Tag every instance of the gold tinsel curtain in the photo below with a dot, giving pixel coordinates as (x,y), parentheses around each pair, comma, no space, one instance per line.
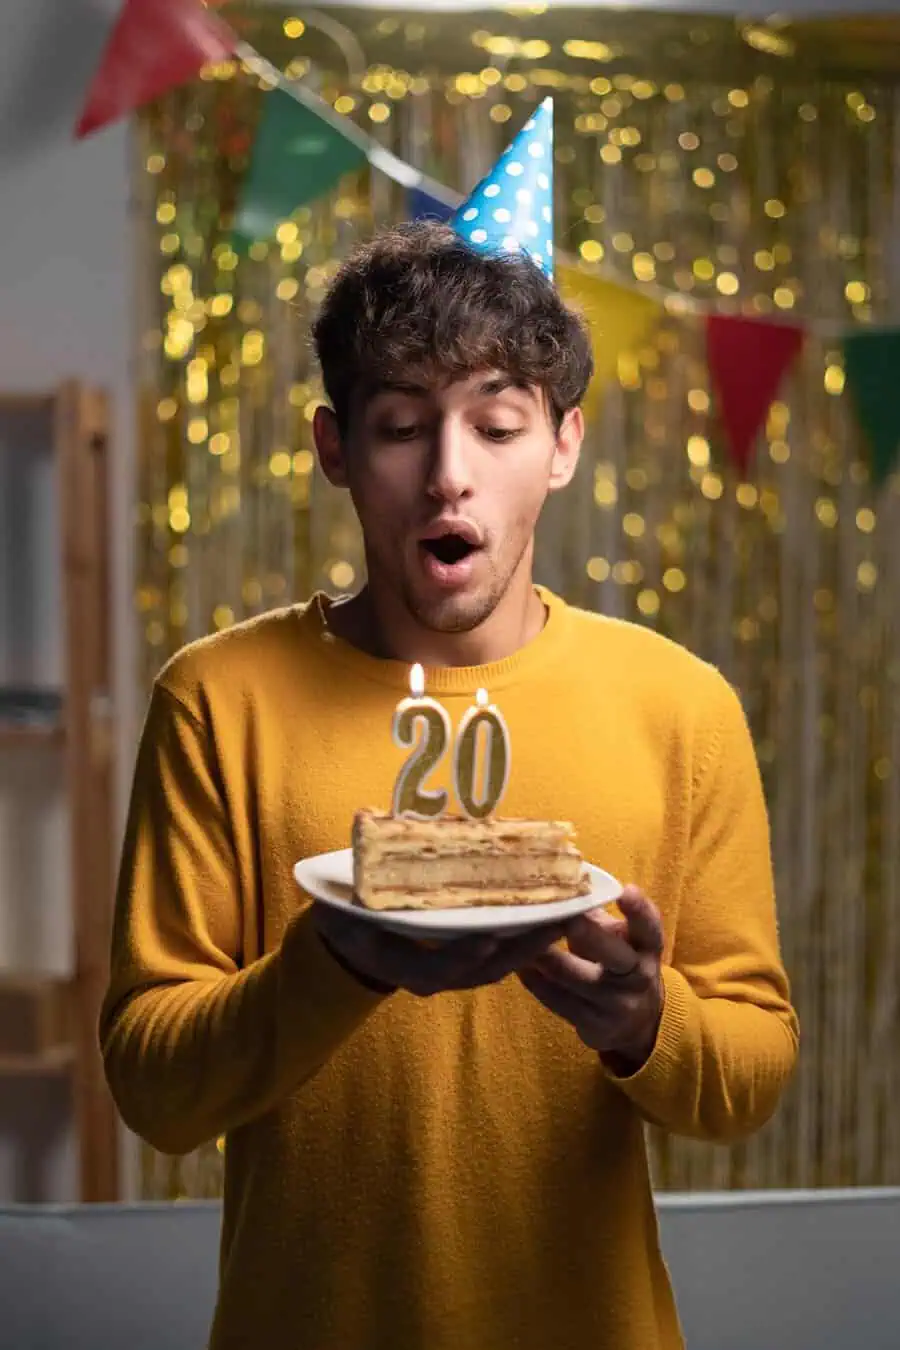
(751,171)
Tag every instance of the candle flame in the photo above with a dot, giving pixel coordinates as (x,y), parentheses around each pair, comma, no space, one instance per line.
(417,681)
(481,697)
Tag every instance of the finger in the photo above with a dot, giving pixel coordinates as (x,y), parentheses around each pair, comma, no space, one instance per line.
(600,938)
(645,930)
(524,948)
(363,935)
(402,961)
(335,927)
(469,963)
(571,972)
(427,969)
(511,955)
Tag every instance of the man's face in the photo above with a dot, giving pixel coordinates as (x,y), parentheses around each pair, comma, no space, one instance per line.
(448,481)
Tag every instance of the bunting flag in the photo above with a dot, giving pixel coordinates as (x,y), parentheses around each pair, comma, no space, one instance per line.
(302,149)
(297,157)
(747,360)
(421,205)
(619,318)
(154,46)
(872,370)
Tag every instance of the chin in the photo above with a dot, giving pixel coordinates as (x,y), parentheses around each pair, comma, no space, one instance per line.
(453,613)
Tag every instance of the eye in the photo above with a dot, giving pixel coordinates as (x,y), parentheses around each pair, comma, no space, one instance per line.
(408,432)
(499,435)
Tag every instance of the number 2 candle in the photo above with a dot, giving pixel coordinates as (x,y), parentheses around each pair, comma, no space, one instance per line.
(423,725)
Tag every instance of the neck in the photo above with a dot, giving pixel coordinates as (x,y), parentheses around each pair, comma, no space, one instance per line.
(379,625)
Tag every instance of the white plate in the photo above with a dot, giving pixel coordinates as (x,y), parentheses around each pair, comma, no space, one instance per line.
(329,879)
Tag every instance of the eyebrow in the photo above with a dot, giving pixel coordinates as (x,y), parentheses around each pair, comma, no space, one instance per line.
(398,387)
(500,383)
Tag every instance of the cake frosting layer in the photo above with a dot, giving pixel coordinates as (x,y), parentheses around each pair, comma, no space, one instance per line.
(400,862)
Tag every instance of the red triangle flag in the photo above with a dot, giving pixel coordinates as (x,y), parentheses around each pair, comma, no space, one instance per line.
(747,359)
(154,46)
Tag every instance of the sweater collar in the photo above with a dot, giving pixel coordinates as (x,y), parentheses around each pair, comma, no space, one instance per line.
(447,680)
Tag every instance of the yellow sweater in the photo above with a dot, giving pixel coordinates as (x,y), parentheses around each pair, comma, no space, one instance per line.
(457,1173)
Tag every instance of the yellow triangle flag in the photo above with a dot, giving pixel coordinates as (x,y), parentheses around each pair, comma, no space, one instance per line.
(619,317)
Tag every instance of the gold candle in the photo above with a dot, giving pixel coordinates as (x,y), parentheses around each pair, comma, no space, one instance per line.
(481,798)
(411,798)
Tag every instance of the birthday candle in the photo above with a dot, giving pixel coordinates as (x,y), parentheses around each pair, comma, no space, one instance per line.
(484,721)
(410,797)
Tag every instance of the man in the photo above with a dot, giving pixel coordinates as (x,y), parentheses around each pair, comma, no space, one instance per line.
(441,1148)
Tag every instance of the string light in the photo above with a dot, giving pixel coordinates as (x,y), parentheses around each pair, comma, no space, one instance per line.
(598,569)
(234,515)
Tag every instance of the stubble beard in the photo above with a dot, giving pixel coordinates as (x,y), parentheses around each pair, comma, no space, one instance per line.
(454,613)
(463,613)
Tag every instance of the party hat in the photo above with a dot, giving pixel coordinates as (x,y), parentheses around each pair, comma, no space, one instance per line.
(511,210)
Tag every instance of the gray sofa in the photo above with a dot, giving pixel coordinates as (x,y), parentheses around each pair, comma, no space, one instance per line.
(786,1271)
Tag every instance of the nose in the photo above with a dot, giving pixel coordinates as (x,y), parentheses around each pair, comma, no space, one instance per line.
(450,468)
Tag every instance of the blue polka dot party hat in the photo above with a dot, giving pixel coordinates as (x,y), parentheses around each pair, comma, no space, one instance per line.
(511,210)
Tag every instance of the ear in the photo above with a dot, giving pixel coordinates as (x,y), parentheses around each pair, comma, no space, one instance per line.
(330,446)
(568,449)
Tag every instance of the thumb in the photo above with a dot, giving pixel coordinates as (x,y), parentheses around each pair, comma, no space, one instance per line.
(645,930)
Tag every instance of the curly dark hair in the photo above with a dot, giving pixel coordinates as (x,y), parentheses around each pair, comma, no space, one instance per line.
(416,299)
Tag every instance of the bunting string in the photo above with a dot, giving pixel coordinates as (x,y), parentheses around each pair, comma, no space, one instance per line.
(304,146)
(206,38)
(429,197)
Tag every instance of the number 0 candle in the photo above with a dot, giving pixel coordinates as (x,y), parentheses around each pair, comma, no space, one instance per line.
(428,745)
(479,792)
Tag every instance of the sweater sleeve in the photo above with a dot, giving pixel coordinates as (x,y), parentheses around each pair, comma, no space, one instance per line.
(194,1042)
(728,1037)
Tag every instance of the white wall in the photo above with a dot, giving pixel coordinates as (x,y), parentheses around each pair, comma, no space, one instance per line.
(65,311)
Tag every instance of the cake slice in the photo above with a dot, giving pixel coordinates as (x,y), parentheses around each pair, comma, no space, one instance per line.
(400,862)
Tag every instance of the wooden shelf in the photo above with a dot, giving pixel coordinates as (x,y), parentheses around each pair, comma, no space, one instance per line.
(48,1064)
(31,733)
(35,1022)
(34,982)
(27,403)
(49,1026)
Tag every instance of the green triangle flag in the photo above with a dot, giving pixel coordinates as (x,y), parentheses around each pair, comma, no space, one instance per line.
(297,157)
(872,367)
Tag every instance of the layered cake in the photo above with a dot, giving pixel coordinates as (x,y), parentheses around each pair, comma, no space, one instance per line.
(401,862)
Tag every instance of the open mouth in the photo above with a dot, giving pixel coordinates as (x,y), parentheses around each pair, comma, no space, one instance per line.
(449,548)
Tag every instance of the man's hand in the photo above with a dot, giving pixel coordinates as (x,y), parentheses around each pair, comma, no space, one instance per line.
(608,984)
(385,962)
